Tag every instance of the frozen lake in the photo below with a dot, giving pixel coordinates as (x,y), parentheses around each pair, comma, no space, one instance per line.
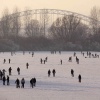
(61,87)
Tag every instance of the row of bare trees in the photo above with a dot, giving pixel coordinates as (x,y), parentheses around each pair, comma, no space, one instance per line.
(68,28)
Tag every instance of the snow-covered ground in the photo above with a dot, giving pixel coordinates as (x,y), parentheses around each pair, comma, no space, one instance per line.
(61,87)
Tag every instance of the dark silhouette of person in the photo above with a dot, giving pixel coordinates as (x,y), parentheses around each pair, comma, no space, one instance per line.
(70,59)
(41,60)
(9,61)
(32,54)
(27,65)
(4,79)
(79,77)
(74,54)
(1,74)
(18,70)
(34,81)
(53,71)
(31,83)
(7,80)
(61,62)
(83,53)
(22,82)
(17,83)
(49,72)
(4,61)
(72,72)
(10,69)
(77,60)
(44,61)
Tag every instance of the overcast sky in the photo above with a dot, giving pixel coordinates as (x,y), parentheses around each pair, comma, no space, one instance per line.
(79,6)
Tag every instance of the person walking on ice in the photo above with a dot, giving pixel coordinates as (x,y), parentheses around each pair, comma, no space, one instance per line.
(4,79)
(34,81)
(22,82)
(10,69)
(79,78)
(53,71)
(49,72)
(9,61)
(72,72)
(27,64)
(17,83)
(18,70)
(8,80)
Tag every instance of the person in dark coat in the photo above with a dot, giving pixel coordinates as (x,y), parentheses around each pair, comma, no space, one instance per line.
(79,77)
(49,72)
(9,61)
(34,81)
(7,80)
(18,70)
(31,83)
(22,82)
(32,54)
(17,83)
(1,74)
(70,59)
(27,65)
(77,60)
(10,69)
(41,60)
(61,62)
(53,71)
(72,72)
(4,61)
(4,79)
(44,61)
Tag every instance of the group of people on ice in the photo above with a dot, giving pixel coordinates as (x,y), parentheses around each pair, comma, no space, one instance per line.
(53,72)
(21,83)
(32,82)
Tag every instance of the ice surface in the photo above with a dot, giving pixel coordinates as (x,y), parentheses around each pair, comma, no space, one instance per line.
(61,87)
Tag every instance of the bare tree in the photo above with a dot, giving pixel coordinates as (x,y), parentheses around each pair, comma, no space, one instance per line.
(15,22)
(27,20)
(95,15)
(5,24)
(65,27)
(33,28)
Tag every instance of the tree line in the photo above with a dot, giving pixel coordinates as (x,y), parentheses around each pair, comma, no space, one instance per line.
(65,33)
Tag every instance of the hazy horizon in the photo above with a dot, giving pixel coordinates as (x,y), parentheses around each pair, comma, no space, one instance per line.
(79,6)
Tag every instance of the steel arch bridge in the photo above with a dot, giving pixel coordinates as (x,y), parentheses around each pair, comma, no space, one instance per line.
(57,12)
(37,14)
